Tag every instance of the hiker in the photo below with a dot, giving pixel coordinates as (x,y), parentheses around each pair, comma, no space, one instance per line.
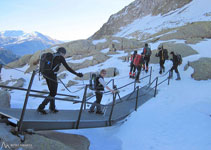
(138,62)
(147,53)
(174,67)
(132,66)
(51,79)
(100,85)
(163,55)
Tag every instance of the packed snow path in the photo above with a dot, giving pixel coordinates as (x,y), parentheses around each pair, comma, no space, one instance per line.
(67,119)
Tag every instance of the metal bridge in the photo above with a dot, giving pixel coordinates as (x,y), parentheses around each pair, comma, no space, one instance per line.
(114,112)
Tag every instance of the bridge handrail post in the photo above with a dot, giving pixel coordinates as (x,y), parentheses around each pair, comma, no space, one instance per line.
(169,78)
(136,106)
(156,87)
(25,102)
(150,77)
(112,108)
(80,112)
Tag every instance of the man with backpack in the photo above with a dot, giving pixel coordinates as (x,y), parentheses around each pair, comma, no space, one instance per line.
(132,66)
(147,53)
(177,60)
(49,67)
(138,62)
(163,55)
(99,88)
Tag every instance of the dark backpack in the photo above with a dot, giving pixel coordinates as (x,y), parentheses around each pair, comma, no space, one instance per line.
(94,83)
(179,59)
(46,63)
(166,56)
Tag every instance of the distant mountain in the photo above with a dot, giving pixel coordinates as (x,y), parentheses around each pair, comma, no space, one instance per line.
(22,43)
(7,56)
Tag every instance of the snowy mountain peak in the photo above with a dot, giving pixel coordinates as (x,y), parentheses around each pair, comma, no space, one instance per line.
(21,43)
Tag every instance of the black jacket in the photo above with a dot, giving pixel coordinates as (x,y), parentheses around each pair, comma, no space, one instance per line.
(99,87)
(175,60)
(58,60)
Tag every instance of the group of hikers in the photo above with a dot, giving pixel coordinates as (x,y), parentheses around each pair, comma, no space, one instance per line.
(50,63)
(49,67)
(139,61)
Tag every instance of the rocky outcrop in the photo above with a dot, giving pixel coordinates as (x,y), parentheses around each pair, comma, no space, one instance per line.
(110,72)
(202,68)
(42,140)
(70,83)
(97,58)
(19,63)
(192,33)
(178,48)
(5,99)
(136,10)
(19,82)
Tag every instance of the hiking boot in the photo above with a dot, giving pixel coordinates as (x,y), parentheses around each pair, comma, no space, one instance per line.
(42,111)
(137,81)
(178,77)
(160,72)
(54,111)
(99,112)
(91,111)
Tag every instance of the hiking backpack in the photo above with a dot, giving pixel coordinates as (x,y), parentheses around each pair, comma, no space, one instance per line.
(93,83)
(46,63)
(165,51)
(179,59)
(147,51)
(138,60)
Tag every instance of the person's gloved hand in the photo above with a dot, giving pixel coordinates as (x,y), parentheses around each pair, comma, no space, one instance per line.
(80,75)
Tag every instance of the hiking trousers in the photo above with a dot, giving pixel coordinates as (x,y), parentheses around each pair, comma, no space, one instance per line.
(132,67)
(162,62)
(174,67)
(52,83)
(146,61)
(139,71)
(99,96)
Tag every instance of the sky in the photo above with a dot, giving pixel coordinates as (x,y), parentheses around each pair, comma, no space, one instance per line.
(59,19)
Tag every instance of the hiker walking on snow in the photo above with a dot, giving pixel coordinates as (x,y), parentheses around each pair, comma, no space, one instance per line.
(147,53)
(51,79)
(100,85)
(132,66)
(139,61)
(163,55)
(176,62)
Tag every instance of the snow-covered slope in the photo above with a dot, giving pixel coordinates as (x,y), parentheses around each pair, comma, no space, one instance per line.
(22,43)
(197,10)
(143,18)
(178,118)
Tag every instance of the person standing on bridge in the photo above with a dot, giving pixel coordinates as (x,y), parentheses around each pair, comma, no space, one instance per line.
(51,79)
(100,85)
